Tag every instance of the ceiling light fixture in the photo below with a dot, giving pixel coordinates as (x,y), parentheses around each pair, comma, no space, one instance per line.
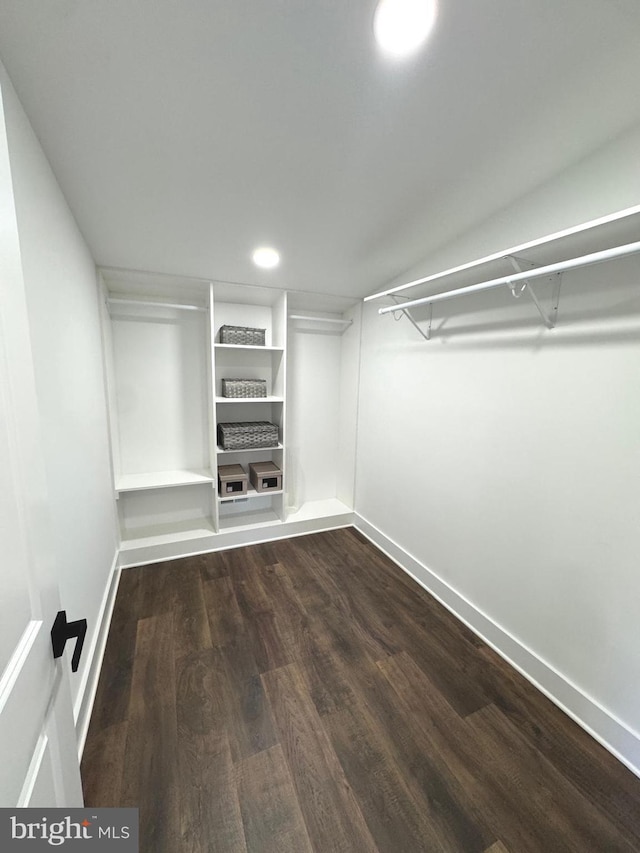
(266,258)
(401,26)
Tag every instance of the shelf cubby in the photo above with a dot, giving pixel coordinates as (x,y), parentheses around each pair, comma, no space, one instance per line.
(184,511)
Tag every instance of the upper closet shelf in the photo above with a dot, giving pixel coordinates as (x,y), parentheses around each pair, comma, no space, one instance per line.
(547,257)
(181,306)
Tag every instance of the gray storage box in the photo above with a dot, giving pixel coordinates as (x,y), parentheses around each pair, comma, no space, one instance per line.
(242,436)
(232,481)
(242,336)
(244,388)
(265,476)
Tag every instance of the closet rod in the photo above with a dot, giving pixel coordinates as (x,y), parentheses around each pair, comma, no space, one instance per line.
(320,319)
(585,227)
(539,272)
(182,307)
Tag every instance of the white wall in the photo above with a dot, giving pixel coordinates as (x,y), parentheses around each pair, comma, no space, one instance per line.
(505,458)
(62,301)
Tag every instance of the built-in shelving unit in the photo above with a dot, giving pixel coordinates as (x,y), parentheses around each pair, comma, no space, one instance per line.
(266,309)
(165,365)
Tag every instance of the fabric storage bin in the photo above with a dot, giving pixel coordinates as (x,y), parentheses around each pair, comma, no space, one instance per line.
(242,335)
(232,480)
(241,436)
(265,476)
(244,388)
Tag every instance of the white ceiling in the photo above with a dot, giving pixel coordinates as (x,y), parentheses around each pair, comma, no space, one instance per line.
(186,132)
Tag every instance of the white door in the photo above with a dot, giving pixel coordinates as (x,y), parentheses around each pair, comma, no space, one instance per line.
(39,761)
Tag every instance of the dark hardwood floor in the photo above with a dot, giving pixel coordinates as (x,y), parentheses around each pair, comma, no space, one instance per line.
(306,695)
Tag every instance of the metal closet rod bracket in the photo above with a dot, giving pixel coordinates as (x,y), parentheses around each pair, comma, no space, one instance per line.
(520,265)
(407,313)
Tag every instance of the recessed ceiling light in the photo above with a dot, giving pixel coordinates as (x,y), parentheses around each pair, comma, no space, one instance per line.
(266,258)
(401,26)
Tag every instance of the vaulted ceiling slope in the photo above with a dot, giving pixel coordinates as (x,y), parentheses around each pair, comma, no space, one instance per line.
(185,133)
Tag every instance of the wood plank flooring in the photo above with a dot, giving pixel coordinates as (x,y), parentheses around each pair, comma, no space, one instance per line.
(306,696)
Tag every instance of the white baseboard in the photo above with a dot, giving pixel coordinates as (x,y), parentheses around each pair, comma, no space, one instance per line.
(145,554)
(615,735)
(87,693)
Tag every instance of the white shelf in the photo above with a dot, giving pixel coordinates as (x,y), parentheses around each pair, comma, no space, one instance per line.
(163,479)
(252,347)
(249,400)
(251,449)
(600,234)
(251,493)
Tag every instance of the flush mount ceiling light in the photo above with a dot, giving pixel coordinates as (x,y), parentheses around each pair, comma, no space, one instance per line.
(266,258)
(401,26)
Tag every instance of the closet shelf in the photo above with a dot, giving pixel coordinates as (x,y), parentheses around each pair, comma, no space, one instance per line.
(163,479)
(547,257)
(251,493)
(180,306)
(253,347)
(244,450)
(249,399)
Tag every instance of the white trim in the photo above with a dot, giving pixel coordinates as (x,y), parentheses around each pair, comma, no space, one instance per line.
(33,772)
(17,660)
(83,705)
(612,733)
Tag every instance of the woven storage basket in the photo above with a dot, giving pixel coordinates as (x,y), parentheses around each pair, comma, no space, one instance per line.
(243,436)
(242,335)
(244,387)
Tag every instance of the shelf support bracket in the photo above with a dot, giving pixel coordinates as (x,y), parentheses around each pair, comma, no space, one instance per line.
(407,314)
(549,319)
